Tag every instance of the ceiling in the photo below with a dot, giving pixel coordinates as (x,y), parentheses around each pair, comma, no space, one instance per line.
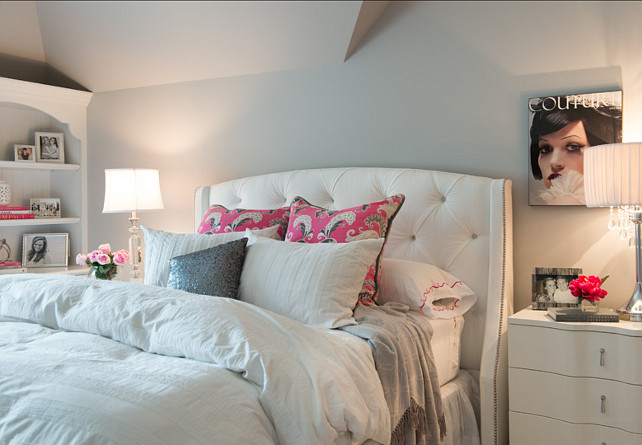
(112,45)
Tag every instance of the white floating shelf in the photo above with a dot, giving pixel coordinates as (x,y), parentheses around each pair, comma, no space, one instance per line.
(37,222)
(38,166)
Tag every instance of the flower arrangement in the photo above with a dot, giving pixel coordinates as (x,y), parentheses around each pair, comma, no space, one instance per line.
(103,261)
(588,288)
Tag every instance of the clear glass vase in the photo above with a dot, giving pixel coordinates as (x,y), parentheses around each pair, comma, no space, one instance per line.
(589,306)
(96,274)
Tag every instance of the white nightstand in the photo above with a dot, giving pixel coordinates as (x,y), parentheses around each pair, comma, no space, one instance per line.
(574,383)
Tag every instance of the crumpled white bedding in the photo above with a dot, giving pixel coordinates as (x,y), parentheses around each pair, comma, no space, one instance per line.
(88,361)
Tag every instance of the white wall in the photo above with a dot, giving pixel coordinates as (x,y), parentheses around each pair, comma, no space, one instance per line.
(436,85)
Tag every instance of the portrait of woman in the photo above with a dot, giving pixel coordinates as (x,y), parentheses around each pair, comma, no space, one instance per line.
(50,147)
(37,254)
(45,249)
(561,128)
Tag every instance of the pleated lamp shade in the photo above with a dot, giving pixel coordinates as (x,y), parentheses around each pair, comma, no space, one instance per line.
(612,175)
(132,190)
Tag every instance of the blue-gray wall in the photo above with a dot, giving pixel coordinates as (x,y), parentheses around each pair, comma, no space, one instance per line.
(435,85)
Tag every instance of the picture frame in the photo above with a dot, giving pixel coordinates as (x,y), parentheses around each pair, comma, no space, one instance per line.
(45,207)
(550,287)
(50,147)
(560,127)
(45,249)
(24,153)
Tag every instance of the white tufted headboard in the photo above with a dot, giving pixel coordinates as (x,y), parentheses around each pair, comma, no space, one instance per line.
(460,223)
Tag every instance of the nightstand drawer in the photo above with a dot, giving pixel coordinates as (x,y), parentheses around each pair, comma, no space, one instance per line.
(576,353)
(576,400)
(528,429)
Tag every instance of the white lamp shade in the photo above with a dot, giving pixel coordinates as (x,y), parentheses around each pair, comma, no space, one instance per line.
(612,175)
(132,190)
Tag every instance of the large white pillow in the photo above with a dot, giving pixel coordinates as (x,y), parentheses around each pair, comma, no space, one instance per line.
(316,284)
(162,246)
(425,287)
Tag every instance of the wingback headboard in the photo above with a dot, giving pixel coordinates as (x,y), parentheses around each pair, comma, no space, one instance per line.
(460,223)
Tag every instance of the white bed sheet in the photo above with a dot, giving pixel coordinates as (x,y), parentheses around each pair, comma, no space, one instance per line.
(446,347)
(460,398)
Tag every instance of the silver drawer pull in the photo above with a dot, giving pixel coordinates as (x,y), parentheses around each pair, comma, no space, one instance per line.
(601,356)
(603,409)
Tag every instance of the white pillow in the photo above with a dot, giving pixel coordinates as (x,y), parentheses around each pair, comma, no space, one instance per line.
(423,286)
(316,284)
(162,246)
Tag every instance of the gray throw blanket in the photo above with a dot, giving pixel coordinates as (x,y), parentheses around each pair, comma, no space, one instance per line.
(400,341)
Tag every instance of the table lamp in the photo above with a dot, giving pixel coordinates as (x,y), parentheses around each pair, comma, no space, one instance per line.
(612,178)
(132,190)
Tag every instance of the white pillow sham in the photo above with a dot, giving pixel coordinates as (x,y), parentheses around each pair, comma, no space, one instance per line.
(162,246)
(316,284)
(425,287)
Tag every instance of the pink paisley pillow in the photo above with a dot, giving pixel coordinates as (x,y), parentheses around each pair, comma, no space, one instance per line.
(219,219)
(311,224)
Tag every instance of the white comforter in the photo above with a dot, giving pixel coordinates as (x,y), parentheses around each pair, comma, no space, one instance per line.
(88,361)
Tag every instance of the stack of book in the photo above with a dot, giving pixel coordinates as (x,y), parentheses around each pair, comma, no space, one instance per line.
(7,212)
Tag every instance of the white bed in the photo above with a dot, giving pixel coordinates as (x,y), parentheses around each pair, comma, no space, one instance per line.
(460,223)
(90,361)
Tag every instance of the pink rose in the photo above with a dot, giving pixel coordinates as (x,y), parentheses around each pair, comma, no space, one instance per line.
(587,287)
(81,259)
(103,258)
(92,256)
(105,248)
(121,257)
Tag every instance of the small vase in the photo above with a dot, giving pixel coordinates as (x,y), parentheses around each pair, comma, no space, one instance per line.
(589,306)
(5,193)
(97,275)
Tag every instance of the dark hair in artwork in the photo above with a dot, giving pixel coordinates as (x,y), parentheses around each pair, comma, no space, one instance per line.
(602,125)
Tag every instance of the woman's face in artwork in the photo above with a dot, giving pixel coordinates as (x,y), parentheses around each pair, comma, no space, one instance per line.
(562,151)
(38,245)
(550,286)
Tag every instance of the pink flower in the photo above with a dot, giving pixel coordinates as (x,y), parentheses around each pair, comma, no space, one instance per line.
(92,256)
(81,259)
(121,257)
(588,288)
(103,258)
(105,248)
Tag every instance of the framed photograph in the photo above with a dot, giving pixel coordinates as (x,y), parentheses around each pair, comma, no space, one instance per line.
(45,207)
(50,147)
(24,153)
(45,249)
(550,287)
(561,127)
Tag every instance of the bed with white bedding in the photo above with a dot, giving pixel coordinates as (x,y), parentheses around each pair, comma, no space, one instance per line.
(87,361)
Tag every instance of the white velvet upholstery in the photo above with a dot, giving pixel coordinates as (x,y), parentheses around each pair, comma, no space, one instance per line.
(460,223)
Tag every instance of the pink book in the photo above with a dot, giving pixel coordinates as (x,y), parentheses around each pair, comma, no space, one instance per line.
(7,208)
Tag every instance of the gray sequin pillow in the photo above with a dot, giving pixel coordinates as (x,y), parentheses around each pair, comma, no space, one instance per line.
(215,271)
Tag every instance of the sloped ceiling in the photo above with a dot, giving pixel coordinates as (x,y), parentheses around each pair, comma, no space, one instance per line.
(112,45)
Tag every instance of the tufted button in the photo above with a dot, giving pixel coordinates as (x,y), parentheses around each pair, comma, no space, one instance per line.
(443,199)
(474,236)
(413,237)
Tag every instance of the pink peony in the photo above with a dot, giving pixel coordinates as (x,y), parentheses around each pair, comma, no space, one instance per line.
(121,257)
(105,248)
(92,256)
(103,258)
(588,288)
(81,259)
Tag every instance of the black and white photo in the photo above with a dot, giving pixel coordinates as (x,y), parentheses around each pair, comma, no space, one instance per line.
(50,147)
(45,249)
(550,287)
(45,207)
(561,127)
(24,153)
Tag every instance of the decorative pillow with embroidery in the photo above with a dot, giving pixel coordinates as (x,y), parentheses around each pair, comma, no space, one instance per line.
(425,287)
(311,224)
(219,219)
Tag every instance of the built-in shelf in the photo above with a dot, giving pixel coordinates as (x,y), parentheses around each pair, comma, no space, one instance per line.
(38,165)
(37,222)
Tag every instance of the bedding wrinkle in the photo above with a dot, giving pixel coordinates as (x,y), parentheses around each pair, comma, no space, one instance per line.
(308,394)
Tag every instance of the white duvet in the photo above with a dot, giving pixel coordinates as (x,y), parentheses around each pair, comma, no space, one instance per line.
(88,361)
